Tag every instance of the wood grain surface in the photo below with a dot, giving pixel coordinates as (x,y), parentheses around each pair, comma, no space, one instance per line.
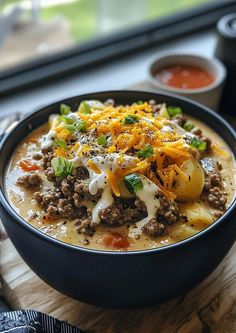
(209,308)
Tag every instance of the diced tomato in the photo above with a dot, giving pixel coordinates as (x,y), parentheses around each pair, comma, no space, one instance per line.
(116,240)
(27,165)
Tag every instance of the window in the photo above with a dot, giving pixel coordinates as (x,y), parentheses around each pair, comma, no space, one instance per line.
(40,39)
(39,28)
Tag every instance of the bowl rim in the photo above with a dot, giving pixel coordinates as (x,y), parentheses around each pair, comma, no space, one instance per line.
(49,239)
(220,73)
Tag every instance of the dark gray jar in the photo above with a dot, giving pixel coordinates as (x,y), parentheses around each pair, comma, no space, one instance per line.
(226,52)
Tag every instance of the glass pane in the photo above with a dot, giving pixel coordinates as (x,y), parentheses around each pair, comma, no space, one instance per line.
(32,29)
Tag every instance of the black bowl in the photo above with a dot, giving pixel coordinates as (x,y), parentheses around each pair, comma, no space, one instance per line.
(119,279)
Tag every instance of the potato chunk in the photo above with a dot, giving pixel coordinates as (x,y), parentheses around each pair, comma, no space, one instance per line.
(197,214)
(191,187)
(183,231)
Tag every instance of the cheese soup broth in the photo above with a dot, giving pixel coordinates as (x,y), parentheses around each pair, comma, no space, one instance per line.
(105,237)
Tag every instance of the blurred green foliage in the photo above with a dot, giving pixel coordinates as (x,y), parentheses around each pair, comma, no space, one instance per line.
(83,19)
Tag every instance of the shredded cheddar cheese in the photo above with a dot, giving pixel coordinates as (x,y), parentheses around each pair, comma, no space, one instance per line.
(144,129)
(94,167)
(76,146)
(113,182)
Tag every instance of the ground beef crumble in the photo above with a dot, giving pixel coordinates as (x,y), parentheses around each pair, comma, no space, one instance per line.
(37,156)
(81,193)
(180,119)
(168,211)
(213,186)
(216,198)
(84,225)
(55,204)
(153,228)
(47,157)
(67,199)
(123,211)
(31,180)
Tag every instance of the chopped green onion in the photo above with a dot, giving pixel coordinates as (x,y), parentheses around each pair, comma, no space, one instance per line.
(65,109)
(62,167)
(67,119)
(139,102)
(133,183)
(164,113)
(71,128)
(198,144)
(86,106)
(147,151)
(188,126)
(61,119)
(61,143)
(81,126)
(102,140)
(131,119)
(174,111)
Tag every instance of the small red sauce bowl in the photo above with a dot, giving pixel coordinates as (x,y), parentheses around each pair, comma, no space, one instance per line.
(208,95)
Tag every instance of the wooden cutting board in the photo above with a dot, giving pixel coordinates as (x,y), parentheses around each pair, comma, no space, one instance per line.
(209,308)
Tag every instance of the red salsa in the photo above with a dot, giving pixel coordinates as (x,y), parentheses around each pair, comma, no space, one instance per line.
(185,77)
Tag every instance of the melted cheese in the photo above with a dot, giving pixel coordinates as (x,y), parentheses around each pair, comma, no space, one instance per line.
(47,140)
(148,196)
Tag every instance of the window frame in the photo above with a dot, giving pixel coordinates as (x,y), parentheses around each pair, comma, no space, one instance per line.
(99,51)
